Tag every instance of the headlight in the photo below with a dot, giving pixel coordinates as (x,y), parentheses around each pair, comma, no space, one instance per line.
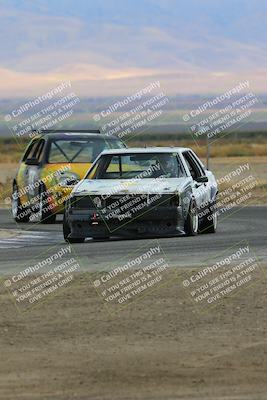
(85,202)
(68,179)
(98,203)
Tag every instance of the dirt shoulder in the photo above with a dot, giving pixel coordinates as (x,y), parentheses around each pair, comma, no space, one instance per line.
(70,347)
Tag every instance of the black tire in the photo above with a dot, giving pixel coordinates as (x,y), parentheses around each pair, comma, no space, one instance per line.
(20,213)
(67,231)
(191,223)
(209,225)
(46,216)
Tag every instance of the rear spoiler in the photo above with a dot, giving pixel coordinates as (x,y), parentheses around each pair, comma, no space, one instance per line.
(45,131)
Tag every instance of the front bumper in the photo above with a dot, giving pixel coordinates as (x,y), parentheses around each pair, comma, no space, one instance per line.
(159,221)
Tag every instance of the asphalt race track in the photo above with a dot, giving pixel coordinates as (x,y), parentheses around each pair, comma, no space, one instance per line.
(20,243)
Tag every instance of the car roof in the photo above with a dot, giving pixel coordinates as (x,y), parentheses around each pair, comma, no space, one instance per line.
(72,135)
(146,150)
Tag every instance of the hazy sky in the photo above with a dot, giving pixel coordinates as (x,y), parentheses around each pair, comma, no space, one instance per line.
(108,47)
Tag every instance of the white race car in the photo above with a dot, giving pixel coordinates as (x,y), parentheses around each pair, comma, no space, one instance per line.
(135,192)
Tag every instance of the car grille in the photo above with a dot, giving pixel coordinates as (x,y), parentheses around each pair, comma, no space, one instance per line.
(83,202)
(151,200)
(123,201)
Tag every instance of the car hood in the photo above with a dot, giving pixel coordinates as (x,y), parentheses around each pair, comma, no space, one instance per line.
(125,186)
(79,169)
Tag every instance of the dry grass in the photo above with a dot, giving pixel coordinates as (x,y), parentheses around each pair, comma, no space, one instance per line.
(224,154)
(11,151)
(217,149)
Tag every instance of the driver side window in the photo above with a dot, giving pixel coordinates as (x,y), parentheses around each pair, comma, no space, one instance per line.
(194,169)
(39,150)
(30,151)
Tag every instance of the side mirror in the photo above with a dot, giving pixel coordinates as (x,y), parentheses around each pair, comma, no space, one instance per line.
(68,181)
(72,182)
(32,161)
(202,179)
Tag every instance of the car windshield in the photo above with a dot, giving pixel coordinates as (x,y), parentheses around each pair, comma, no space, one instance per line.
(80,150)
(137,165)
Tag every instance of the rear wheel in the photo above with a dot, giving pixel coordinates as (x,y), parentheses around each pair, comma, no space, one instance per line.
(20,213)
(67,231)
(191,223)
(46,216)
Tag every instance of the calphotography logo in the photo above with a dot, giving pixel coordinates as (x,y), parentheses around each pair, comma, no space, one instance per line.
(219,116)
(135,113)
(133,200)
(235,270)
(43,112)
(43,277)
(133,276)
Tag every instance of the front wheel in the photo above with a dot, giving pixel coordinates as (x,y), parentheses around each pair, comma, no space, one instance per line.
(67,231)
(20,213)
(191,223)
(211,221)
